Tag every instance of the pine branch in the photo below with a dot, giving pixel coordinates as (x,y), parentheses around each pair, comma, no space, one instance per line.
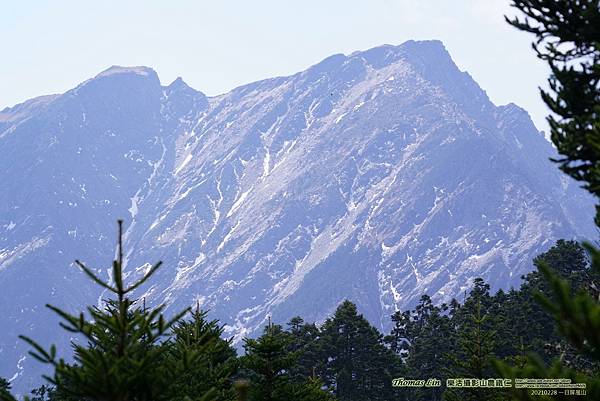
(91,275)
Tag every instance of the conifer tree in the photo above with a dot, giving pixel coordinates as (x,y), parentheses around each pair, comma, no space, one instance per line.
(304,341)
(358,365)
(310,389)
(476,347)
(269,361)
(568,38)
(5,394)
(399,339)
(120,358)
(42,393)
(216,365)
(562,291)
(431,340)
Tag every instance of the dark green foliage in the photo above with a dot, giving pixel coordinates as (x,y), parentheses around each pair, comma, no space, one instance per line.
(5,390)
(531,327)
(357,364)
(216,364)
(43,393)
(431,339)
(457,340)
(535,368)
(475,346)
(568,38)
(448,341)
(397,340)
(310,389)
(424,338)
(346,354)
(305,342)
(577,316)
(568,260)
(211,370)
(564,308)
(49,393)
(269,362)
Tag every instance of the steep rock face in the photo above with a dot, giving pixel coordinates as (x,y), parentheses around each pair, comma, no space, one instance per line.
(375,177)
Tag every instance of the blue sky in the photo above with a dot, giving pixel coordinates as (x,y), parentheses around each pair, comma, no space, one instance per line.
(51,46)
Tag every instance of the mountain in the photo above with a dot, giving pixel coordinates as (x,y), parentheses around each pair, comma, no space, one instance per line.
(376,177)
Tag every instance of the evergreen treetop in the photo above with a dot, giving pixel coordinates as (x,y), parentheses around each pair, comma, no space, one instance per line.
(120,358)
(567,37)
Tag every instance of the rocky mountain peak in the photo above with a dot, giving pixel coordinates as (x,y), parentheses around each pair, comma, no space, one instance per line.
(120,70)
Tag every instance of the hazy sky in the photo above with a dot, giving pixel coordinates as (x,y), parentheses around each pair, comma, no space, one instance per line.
(51,46)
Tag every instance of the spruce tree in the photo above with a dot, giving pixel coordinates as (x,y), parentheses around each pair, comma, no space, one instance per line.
(476,346)
(399,339)
(304,341)
(310,389)
(217,362)
(431,339)
(358,365)
(269,361)
(118,355)
(42,393)
(567,37)
(5,394)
